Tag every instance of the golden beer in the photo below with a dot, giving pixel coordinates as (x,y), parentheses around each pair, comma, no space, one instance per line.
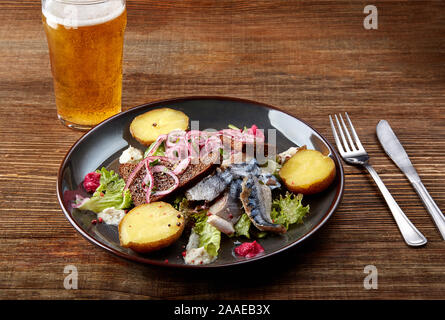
(85,41)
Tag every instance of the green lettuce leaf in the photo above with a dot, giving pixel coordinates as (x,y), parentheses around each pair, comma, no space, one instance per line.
(231,126)
(180,203)
(242,226)
(108,194)
(209,236)
(288,210)
(160,151)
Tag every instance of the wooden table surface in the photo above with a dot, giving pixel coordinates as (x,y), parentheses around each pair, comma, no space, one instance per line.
(310,58)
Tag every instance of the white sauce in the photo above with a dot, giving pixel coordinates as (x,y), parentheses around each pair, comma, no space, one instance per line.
(131,155)
(111,216)
(198,256)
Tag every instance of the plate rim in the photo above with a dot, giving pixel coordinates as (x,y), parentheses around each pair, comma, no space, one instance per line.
(334,205)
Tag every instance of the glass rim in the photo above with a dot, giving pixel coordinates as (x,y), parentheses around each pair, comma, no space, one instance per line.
(84,2)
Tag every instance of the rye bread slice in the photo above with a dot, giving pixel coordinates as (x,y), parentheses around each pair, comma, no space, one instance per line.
(193,173)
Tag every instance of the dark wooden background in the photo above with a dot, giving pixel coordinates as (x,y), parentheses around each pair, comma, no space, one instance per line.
(310,58)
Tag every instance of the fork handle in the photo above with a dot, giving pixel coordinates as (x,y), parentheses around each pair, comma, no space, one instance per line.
(431,207)
(410,234)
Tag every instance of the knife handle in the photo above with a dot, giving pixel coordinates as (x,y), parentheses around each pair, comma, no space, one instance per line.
(431,207)
(410,234)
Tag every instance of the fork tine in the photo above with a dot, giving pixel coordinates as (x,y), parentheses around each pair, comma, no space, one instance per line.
(354,134)
(337,140)
(351,143)
(343,138)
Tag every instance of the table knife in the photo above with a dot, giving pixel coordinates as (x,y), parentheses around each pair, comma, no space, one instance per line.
(397,153)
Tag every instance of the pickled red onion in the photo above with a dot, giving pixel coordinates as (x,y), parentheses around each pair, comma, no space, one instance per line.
(212,144)
(174,137)
(134,173)
(182,166)
(152,149)
(181,147)
(139,166)
(178,152)
(164,169)
(149,182)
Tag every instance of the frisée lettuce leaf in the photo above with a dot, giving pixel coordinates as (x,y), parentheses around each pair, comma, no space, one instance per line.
(110,193)
(288,210)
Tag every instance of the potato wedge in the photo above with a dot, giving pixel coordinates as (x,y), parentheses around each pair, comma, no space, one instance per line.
(308,172)
(146,127)
(150,227)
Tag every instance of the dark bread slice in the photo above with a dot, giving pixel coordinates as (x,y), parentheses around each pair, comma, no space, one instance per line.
(193,173)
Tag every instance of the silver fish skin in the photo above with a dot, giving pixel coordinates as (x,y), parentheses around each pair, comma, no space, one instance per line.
(241,170)
(228,206)
(209,188)
(257,202)
(269,180)
(221,224)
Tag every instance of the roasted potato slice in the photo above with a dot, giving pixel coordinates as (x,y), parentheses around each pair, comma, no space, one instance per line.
(308,172)
(146,127)
(150,227)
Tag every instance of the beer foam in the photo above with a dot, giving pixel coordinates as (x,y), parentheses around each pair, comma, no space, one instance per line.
(77,13)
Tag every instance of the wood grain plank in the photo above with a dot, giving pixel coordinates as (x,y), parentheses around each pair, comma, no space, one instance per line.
(311,59)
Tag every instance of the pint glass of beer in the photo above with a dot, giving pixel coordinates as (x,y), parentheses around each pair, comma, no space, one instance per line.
(85,41)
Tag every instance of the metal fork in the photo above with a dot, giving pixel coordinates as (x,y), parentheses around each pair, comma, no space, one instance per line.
(354,153)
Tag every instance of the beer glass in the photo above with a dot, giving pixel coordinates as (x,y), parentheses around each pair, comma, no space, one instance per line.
(85,41)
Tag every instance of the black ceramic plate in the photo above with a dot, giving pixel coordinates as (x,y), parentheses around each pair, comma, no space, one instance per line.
(103,145)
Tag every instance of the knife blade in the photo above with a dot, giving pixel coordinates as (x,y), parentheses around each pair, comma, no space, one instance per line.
(397,153)
(395,150)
